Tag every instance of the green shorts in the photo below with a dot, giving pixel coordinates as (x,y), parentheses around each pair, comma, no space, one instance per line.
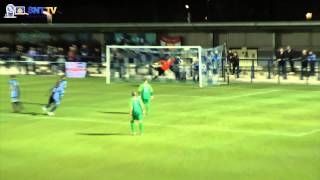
(137,116)
(146,101)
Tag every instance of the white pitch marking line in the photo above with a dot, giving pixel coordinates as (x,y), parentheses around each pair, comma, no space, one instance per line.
(226,97)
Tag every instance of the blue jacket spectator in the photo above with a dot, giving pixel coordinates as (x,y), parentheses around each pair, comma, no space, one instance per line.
(312,58)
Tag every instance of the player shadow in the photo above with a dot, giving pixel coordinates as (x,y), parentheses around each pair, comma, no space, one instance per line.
(33,103)
(32,113)
(103,134)
(114,112)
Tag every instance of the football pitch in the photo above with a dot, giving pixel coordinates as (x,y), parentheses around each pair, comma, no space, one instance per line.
(226,132)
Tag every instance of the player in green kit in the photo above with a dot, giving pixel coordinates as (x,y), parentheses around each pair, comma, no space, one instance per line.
(146,93)
(136,112)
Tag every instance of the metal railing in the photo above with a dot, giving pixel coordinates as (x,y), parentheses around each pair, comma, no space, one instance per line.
(249,70)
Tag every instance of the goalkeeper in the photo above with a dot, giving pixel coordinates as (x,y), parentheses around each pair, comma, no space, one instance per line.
(146,92)
(136,112)
(162,66)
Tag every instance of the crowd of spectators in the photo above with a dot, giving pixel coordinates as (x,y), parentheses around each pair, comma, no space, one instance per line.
(51,53)
(306,59)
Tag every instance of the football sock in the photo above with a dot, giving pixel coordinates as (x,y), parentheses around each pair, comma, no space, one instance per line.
(141,128)
(133,127)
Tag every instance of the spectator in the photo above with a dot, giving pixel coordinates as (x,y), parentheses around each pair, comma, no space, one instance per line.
(18,56)
(98,59)
(19,52)
(84,53)
(216,60)
(30,64)
(312,58)
(304,63)
(118,63)
(32,53)
(235,64)
(280,58)
(4,53)
(97,55)
(195,70)
(72,53)
(41,53)
(230,59)
(5,56)
(61,59)
(52,58)
(175,68)
(289,55)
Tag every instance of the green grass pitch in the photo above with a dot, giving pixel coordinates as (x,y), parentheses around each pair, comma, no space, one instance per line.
(227,132)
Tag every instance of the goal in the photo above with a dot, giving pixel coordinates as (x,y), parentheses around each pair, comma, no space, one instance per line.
(189,64)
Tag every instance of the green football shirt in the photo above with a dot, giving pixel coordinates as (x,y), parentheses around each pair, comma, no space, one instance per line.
(145,91)
(136,106)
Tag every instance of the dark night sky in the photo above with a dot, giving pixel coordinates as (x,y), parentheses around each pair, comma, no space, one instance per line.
(92,11)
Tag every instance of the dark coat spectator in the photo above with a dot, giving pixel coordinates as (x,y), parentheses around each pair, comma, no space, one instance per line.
(280,57)
(312,58)
(304,63)
(289,55)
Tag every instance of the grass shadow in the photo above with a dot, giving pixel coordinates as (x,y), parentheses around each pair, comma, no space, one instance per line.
(32,113)
(103,134)
(114,112)
(33,103)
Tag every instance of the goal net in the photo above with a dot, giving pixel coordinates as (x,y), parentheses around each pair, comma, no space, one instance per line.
(162,63)
(212,71)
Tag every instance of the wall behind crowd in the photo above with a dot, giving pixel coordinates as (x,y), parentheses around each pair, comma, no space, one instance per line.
(266,43)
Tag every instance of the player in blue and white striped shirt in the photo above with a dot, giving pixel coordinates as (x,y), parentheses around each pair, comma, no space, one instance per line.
(15,94)
(57,93)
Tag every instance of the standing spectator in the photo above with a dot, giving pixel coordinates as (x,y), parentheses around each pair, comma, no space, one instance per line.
(176,69)
(18,56)
(41,51)
(118,62)
(19,52)
(195,70)
(235,64)
(72,53)
(280,57)
(84,53)
(216,60)
(289,55)
(61,59)
(312,58)
(97,55)
(51,57)
(31,55)
(304,63)
(230,59)
(97,58)
(5,55)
